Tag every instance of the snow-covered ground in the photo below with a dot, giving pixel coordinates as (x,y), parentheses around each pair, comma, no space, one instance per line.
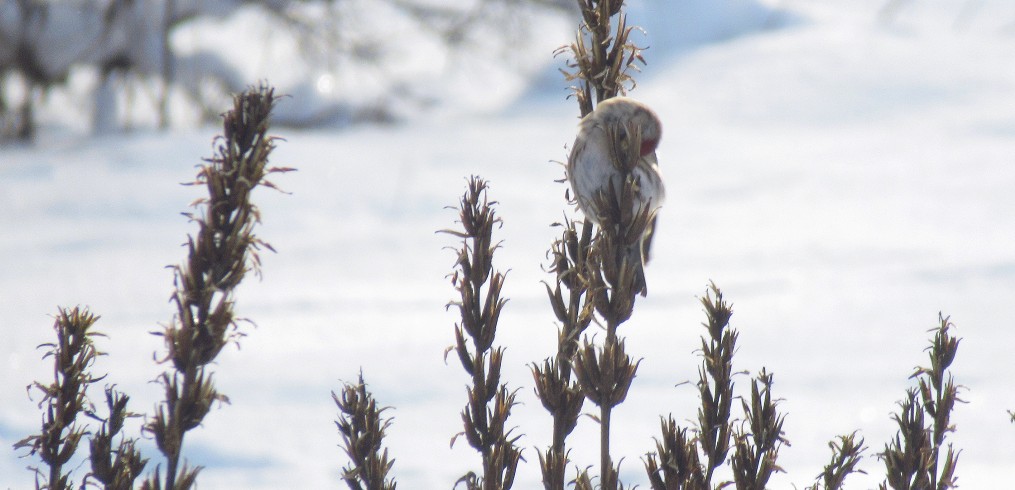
(841,177)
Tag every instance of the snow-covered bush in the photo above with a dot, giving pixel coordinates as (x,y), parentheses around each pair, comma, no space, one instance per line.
(124,62)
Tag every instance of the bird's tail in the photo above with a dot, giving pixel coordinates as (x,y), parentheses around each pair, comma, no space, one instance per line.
(639,255)
(635,258)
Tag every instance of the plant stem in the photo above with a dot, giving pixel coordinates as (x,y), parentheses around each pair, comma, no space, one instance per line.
(605,413)
(604,442)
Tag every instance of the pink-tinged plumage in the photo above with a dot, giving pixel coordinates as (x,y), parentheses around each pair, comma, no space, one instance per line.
(648,146)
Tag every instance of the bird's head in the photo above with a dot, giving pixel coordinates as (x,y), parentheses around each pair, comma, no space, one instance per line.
(629,115)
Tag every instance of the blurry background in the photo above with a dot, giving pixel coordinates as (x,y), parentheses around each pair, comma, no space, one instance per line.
(118,64)
(842,169)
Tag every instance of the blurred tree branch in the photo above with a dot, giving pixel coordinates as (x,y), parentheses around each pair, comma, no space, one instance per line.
(43,41)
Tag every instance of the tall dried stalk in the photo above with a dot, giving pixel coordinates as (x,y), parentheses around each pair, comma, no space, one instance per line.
(602,55)
(758,439)
(362,428)
(479,287)
(677,462)
(64,398)
(224,250)
(601,58)
(559,394)
(115,467)
(914,460)
(846,455)
(686,460)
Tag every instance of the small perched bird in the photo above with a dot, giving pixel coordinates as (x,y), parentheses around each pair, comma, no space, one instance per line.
(619,138)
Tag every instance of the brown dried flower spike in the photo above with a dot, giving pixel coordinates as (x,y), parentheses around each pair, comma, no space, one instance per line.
(489,401)
(73,355)
(224,249)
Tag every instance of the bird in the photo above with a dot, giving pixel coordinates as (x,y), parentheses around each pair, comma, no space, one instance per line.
(616,140)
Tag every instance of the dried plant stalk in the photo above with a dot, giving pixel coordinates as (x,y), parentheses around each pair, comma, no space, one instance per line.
(689,461)
(64,398)
(115,468)
(601,63)
(913,460)
(677,463)
(599,67)
(846,454)
(479,287)
(715,382)
(363,428)
(224,249)
(555,388)
(757,445)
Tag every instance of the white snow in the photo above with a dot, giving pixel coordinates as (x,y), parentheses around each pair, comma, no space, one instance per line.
(842,177)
